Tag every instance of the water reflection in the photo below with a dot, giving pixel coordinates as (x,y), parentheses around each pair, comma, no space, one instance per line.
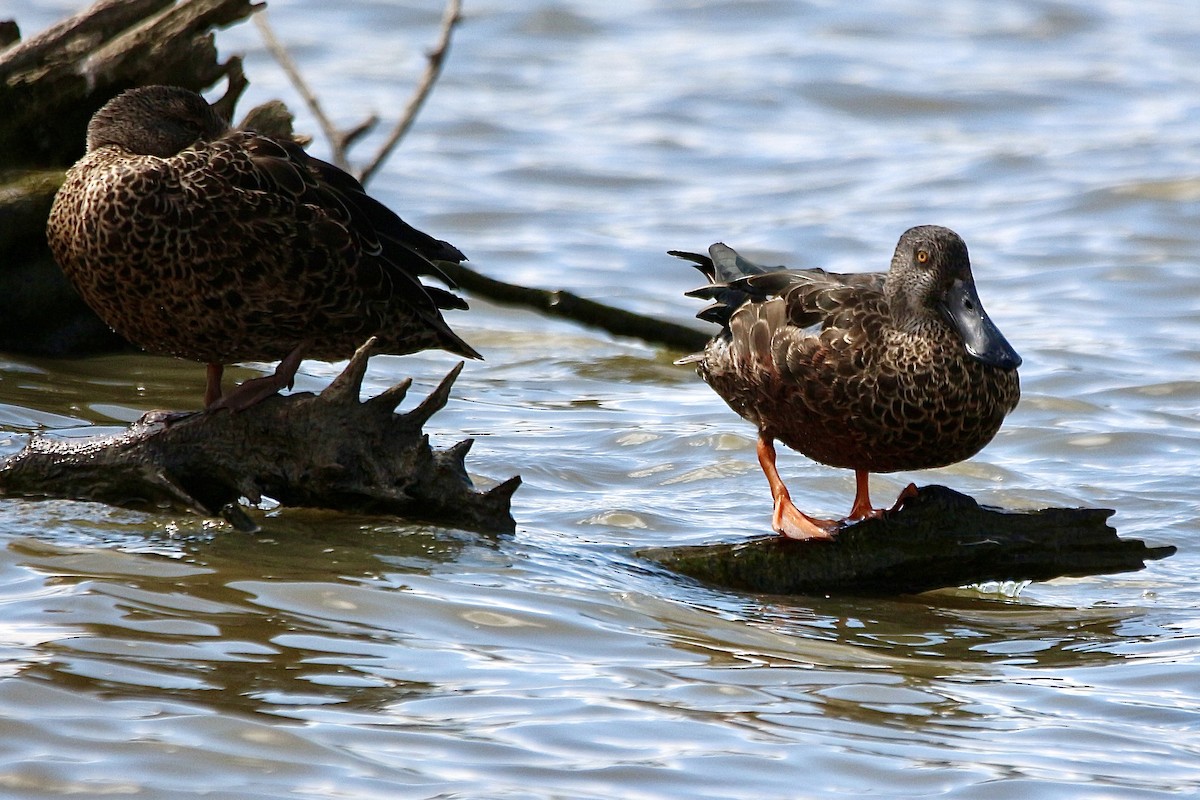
(568,146)
(259,620)
(191,623)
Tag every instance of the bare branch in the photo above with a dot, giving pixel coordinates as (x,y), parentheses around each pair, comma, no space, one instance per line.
(561,303)
(433,68)
(332,134)
(358,131)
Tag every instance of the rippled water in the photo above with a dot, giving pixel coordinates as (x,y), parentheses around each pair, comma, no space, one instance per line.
(568,145)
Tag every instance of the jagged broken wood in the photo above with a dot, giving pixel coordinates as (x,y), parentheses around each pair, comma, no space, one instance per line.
(323,451)
(51,83)
(937,539)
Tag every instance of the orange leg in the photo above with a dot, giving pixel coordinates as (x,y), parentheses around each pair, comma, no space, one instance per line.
(862,508)
(212,390)
(256,390)
(787,519)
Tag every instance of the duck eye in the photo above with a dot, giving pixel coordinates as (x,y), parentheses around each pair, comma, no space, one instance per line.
(922,256)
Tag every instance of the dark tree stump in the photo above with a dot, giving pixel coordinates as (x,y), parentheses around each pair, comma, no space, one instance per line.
(322,451)
(937,539)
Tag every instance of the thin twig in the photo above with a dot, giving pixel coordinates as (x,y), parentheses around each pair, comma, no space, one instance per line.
(433,68)
(336,142)
(351,136)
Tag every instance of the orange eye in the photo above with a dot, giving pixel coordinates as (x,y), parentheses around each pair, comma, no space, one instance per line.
(922,256)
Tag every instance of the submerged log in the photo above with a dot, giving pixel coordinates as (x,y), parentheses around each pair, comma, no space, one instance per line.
(937,539)
(568,305)
(321,451)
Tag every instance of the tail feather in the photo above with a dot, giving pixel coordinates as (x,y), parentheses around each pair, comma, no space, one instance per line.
(732,281)
(731,265)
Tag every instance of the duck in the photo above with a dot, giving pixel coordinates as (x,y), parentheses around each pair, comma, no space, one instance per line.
(872,372)
(195,239)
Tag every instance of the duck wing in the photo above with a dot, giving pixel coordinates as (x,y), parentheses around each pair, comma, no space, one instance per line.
(812,297)
(351,243)
(376,230)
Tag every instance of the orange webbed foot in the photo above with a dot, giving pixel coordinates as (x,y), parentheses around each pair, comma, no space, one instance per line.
(789,521)
(255,390)
(906,494)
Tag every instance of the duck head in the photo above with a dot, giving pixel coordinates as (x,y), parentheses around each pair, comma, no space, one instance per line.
(154,121)
(930,282)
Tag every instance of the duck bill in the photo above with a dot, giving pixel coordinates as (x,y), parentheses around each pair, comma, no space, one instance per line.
(982,338)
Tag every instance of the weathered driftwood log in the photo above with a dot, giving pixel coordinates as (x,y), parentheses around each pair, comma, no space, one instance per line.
(323,451)
(52,83)
(937,539)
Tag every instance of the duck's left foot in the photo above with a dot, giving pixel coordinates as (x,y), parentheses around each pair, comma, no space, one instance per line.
(256,390)
(789,521)
(859,513)
(908,493)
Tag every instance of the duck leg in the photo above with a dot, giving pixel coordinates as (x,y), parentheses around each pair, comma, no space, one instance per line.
(256,390)
(212,390)
(863,509)
(787,519)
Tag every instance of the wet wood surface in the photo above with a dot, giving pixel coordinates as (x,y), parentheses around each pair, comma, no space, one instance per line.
(937,539)
(318,451)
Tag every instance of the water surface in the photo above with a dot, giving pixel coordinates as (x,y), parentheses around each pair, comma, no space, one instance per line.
(568,145)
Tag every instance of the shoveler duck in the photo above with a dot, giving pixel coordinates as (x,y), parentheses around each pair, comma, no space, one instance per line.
(872,372)
(197,240)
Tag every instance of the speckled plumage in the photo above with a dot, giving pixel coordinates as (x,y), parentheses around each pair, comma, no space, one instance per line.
(196,240)
(869,372)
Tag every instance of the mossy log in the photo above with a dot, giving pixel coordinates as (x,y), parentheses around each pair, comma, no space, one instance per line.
(319,451)
(937,539)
